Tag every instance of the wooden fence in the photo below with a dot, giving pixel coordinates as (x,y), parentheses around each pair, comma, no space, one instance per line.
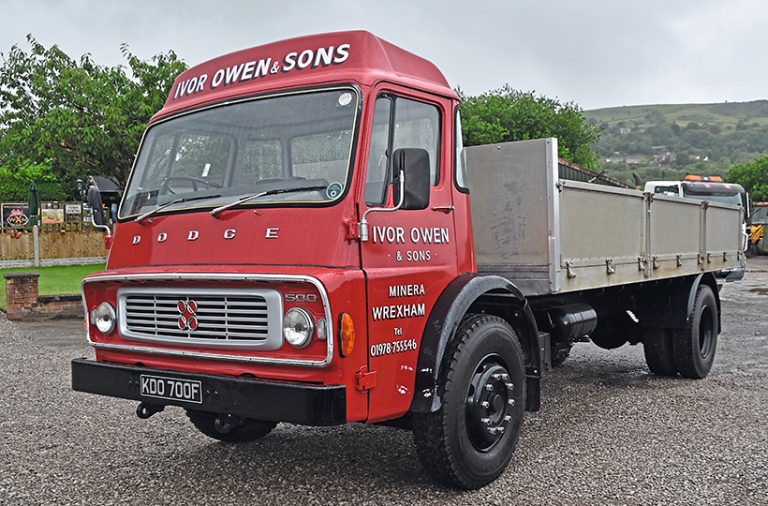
(53,245)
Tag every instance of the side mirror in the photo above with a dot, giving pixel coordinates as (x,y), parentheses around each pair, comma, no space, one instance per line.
(94,202)
(413,163)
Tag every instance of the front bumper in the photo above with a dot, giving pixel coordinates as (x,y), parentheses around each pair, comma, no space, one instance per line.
(246,397)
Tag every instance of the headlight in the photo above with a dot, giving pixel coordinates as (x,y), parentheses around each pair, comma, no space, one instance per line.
(104,318)
(297,327)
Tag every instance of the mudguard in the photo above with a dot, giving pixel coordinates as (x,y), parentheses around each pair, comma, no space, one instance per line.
(456,301)
(657,306)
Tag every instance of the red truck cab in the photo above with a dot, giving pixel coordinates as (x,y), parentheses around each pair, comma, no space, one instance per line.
(244,206)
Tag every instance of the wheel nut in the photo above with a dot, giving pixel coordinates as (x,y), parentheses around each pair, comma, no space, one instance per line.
(489,387)
(507,418)
(505,377)
(511,386)
(486,421)
(497,376)
(485,404)
(500,429)
(511,402)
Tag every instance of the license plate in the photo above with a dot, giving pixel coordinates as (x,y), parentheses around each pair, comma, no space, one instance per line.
(172,388)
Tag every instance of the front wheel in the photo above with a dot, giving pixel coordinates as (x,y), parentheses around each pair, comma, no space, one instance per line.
(469,441)
(229,429)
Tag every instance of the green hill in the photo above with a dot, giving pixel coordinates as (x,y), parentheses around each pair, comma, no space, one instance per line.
(667,141)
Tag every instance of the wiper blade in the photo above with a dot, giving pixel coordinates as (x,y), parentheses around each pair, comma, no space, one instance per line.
(255,196)
(146,215)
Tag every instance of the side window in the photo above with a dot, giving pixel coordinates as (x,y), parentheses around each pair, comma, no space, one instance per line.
(460,163)
(376,178)
(416,125)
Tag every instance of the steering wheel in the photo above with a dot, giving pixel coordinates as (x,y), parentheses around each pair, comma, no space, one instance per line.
(165,186)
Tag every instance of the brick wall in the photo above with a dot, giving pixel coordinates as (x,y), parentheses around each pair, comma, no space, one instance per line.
(21,294)
(23,300)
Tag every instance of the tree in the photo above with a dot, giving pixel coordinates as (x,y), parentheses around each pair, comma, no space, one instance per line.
(507,114)
(74,116)
(14,185)
(753,176)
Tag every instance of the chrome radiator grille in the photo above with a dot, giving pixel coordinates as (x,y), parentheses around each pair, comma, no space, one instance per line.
(208,317)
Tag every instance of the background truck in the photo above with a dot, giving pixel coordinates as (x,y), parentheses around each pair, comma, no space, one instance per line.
(756,229)
(711,189)
(302,240)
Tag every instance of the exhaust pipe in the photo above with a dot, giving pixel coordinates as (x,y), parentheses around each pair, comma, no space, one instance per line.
(147,409)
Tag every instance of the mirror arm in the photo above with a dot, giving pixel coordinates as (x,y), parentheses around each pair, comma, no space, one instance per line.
(105,228)
(362,227)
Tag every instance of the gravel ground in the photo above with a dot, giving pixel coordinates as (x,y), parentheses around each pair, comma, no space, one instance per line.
(609,432)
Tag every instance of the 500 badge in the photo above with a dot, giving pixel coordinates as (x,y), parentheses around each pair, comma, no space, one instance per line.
(378,350)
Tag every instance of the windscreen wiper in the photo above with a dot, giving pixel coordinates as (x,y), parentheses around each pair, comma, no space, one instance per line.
(254,196)
(146,215)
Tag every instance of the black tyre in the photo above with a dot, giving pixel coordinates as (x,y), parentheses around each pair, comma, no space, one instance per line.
(657,345)
(560,353)
(694,348)
(469,441)
(241,431)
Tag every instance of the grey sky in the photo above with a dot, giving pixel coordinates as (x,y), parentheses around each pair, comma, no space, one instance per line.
(598,53)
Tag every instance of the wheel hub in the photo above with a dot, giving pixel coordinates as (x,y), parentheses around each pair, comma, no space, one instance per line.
(490,403)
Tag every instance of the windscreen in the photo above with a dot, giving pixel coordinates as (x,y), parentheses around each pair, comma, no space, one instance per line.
(760,215)
(667,190)
(292,149)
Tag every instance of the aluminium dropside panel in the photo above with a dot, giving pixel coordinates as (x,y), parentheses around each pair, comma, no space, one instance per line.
(514,205)
(550,236)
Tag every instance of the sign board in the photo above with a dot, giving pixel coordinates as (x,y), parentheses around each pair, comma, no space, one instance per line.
(52,216)
(15,215)
(73,213)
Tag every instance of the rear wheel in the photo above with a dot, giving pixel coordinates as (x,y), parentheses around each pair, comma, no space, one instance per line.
(228,428)
(694,347)
(469,441)
(657,345)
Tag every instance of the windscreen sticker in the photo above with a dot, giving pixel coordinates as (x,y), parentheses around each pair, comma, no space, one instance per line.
(263,67)
(334,190)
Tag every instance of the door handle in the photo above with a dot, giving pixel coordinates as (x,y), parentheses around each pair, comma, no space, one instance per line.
(445,209)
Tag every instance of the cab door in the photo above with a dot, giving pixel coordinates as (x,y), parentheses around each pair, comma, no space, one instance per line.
(410,255)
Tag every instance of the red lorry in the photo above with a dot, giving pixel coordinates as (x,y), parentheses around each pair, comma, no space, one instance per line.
(295,244)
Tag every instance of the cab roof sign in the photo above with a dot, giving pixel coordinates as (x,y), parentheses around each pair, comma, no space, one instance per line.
(355,56)
(263,67)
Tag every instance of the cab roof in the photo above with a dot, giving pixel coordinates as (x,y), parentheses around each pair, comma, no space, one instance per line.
(340,57)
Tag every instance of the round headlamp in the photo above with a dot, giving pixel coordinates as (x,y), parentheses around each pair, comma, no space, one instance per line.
(104,318)
(297,327)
